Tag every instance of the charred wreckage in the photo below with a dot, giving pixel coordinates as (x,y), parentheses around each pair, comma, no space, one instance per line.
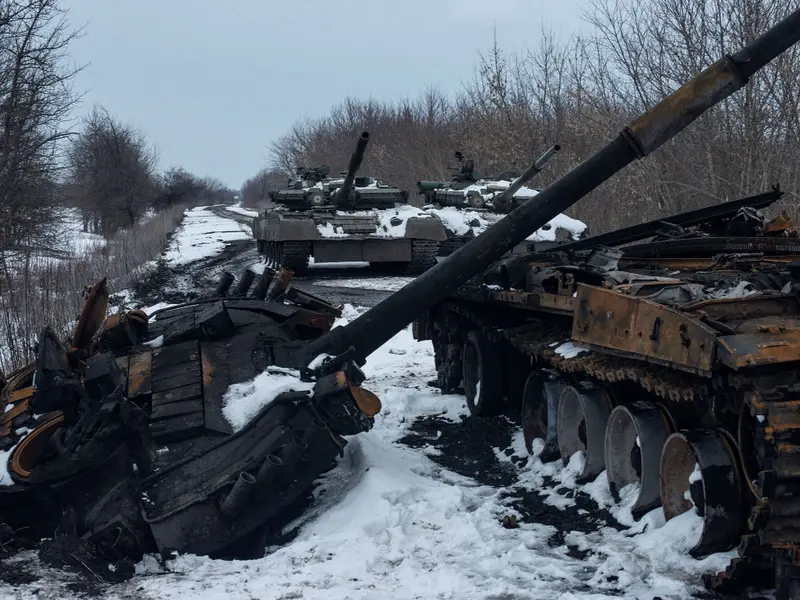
(687,343)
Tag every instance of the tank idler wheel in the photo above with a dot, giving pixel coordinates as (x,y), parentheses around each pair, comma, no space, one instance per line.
(582,417)
(482,375)
(540,398)
(634,437)
(699,471)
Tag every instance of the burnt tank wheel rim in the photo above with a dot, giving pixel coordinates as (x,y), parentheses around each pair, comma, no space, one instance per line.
(634,437)
(699,471)
(539,411)
(583,412)
(482,376)
(32,449)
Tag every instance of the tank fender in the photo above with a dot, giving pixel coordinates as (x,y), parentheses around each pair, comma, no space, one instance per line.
(424,228)
(280,230)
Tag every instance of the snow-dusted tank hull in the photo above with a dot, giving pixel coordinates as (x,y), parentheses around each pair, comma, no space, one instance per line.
(354,219)
(404,237)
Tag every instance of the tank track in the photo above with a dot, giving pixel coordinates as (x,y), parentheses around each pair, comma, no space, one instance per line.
(769,540)
(423,256)
(450,245)
(291,255)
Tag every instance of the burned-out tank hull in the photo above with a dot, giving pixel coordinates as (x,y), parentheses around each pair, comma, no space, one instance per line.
(673,364)
(124,441)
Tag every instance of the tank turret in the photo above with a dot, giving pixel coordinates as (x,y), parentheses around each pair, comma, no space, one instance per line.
(348,219)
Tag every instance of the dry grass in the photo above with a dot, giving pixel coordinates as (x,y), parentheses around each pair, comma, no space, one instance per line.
(34,294)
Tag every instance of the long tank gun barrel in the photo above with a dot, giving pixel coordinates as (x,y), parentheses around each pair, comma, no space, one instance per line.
(343,193)
(529,173)
(647,133)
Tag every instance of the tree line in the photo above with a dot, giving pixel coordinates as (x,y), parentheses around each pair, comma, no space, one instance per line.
(102,166)
(52,168)
(579,93)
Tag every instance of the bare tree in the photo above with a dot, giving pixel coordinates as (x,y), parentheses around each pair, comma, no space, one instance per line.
(111,172)
(36,98)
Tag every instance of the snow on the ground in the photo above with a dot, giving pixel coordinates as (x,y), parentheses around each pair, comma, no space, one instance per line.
(390,284)
(238,209)
(202,234)
(75,239)
(393,524)
(243,401)
(461,221)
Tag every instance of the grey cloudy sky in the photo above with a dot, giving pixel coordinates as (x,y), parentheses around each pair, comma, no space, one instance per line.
(212,82)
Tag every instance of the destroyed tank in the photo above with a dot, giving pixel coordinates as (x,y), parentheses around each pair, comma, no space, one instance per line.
(469,203)
(349,219)
(123,461)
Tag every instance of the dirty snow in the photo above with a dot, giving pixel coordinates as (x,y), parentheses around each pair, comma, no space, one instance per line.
(391,284)
(202,234)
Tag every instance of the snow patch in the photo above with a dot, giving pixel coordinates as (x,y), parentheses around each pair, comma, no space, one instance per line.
(243,401)
(202,234)
(569,350)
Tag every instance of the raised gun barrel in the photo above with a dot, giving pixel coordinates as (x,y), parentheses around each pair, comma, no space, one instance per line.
(665,120)
(342,195)
(429,186)
(505,200)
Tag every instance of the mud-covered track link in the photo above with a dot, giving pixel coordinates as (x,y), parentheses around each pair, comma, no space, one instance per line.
(727,447)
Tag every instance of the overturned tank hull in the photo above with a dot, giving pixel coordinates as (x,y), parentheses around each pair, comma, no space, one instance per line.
(126,439)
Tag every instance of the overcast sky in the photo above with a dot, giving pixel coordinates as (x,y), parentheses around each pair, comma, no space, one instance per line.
(212,82)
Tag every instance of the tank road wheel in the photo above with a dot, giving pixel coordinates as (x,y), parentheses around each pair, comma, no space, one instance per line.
(294,256)
(582,417)
(423,256)
(699,473)
(540,411)
(483,375)
(635,435)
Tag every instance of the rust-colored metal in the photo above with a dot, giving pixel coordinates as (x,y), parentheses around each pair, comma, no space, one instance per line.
(30,449)
(93,315)
(15,411)
(208,369)
(315,320)
(781,224)
(641,328)
(745,308)
(367,402)
(284,277)
(21,394)
(139,371)
(684,105)
(756,349)
(536,300)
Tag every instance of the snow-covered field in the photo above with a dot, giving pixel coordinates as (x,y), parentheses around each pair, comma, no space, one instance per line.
(390,522)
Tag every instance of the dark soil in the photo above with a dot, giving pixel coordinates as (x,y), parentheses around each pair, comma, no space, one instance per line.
(468,448)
